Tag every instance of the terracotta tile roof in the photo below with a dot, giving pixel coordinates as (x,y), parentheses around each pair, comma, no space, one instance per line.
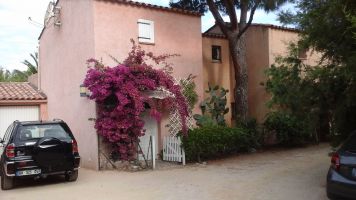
(151,6)
(145,5)
(221,35)
(272,26)
(19,91)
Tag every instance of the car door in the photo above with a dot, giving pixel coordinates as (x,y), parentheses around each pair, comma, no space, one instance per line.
(348,158)
(5,139)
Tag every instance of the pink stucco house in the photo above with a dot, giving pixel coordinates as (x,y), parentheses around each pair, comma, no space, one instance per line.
(78,30)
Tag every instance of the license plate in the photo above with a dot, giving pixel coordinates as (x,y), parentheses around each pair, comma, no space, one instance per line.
(28,172)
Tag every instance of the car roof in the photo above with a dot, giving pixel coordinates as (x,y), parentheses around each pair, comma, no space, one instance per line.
(56,121)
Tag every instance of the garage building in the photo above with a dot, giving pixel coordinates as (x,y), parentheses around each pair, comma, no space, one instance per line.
(20,101)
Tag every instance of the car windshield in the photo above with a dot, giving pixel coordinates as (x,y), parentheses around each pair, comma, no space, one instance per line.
(350,144)
(34,132)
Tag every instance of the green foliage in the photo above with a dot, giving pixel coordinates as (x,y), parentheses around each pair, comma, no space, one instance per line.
(325,26)
(14,76)
(328,91)
(32,68)
(4,75)
(289,130)
(216,141)
(189,91)
(213,108)
(295,97)
(253,128)
(285,81)
(204,120)
(319,94)
(17,75)
(202,5)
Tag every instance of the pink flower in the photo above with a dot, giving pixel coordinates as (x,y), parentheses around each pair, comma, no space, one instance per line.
(118,92)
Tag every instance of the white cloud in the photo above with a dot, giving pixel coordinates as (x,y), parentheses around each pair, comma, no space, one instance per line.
(18,37)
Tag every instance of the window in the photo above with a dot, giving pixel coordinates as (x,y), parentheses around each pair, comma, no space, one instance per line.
(146,31)
(350,144)
(35,132)
(8,133)
(302,54)
(216,53)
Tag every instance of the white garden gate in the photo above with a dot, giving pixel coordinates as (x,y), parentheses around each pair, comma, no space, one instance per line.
(172,145)
(172,149)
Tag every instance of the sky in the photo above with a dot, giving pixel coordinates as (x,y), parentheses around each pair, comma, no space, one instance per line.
(19,36)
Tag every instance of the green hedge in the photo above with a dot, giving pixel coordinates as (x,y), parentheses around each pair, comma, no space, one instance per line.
(216,141)
(290,130)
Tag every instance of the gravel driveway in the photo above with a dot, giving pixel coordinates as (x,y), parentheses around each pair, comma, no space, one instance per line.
(276,175)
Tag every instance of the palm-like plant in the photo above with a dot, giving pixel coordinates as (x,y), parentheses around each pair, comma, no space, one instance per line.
(18,75)
(31,68)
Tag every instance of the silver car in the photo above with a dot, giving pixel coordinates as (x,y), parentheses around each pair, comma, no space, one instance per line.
(341,178)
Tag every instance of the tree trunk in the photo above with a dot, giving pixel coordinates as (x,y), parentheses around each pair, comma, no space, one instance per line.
(238,56)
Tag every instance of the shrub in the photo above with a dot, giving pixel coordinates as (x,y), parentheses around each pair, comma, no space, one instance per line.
(290,130)
(213,108)
(189,90)
(214,141)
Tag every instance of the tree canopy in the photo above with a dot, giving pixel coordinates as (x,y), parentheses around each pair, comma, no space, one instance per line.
(18,75)
(327,26)
(202,5)
(321,95)
(12,76)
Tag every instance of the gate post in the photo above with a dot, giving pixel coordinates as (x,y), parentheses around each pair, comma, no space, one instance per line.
(153,152)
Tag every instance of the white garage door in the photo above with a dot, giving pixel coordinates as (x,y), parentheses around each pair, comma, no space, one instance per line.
(8,114)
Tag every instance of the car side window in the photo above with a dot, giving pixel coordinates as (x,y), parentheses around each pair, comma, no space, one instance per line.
(350,144)
(8,133)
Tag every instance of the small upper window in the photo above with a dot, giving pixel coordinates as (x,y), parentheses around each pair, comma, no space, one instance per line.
(146,31)
(216,53)
(302,54)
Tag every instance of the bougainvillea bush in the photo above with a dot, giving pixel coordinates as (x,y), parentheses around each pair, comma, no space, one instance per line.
(121,95)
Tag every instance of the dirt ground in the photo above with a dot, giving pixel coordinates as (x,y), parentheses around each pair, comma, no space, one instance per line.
(277,175)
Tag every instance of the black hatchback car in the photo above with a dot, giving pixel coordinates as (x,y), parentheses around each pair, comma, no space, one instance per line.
(341,178)
(36,150)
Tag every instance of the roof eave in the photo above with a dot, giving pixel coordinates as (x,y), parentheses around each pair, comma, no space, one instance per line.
(156,7)
(271,26)
(22,102)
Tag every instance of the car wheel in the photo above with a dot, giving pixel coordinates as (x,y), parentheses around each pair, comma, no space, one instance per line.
(72,177)
(7,183)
